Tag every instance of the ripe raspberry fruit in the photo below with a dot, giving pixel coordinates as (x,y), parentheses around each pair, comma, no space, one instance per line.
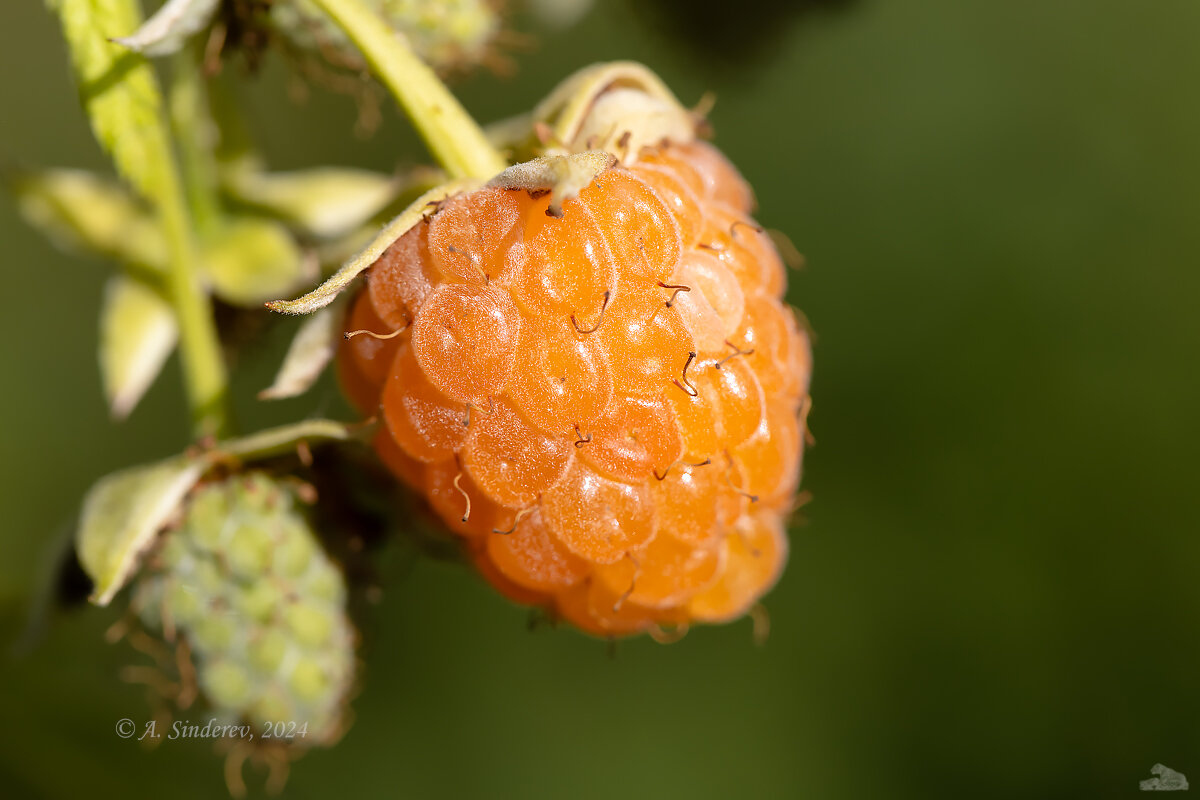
(605,404)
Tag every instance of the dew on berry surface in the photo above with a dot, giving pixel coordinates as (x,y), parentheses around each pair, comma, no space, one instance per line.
(678,196)
(511,461)
(560,379)
(596,518)
(425,423)
(470,234)
(465,339)
(641,231)
(646,341)
(401,279)
(637,438)
(532,556)
(694,502)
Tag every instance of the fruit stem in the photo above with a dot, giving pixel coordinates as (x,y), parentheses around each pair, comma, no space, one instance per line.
(452,136)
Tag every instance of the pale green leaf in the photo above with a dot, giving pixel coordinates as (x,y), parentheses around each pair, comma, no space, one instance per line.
(86,214)
(119,91)
(137,333)
(123,513)
(312,348)
(249,261)
(171,26)
(324,202)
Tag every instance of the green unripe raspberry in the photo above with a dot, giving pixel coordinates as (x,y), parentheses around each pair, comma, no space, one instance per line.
(308,680)
(212,632)
(272,706)
(325,583)
(258,601)
(174,553)
(293,554)
(204,574)
(266,654)
(311,625)
(226,683)
(248,550)
(184,603)
(207,514)
(247,584)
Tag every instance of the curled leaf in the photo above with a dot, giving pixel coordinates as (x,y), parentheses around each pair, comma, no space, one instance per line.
(624,120)
(618,107)
(137,333)
(252,260)
(567,107)
(171,26)
(324,202)
(84,213)
(121,515)
(324,294)
(312,348)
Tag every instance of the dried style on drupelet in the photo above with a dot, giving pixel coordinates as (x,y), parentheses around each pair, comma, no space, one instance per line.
(587,368)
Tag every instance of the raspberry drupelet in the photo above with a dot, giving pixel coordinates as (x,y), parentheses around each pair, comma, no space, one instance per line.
(607,405)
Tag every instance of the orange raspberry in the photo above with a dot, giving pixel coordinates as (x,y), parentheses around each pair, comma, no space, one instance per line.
(606,405)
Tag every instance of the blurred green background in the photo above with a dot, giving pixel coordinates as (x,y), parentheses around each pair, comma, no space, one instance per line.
(994,592)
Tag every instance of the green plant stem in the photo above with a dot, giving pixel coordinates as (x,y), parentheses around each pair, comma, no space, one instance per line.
(452,136)
(195,135)
(200,348)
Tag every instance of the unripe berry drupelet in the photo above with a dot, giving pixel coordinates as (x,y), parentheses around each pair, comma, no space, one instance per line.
(607,405)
